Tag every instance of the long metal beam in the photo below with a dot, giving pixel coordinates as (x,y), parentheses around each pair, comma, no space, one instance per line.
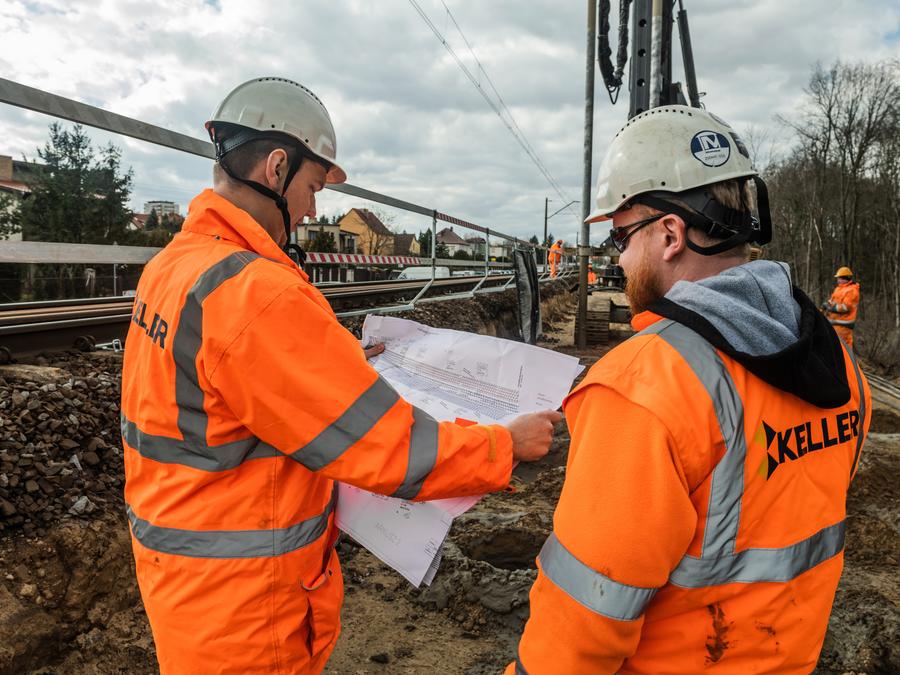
(85,254)
(47,252)
(23,96)
(584,244)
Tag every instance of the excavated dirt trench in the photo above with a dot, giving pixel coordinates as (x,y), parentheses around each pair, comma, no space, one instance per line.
(69,603)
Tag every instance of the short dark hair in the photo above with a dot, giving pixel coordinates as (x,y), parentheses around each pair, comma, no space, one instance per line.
(735,194)
(244,158)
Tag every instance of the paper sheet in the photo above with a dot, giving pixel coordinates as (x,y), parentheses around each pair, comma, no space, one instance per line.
(449,374)
(452,374)
(405,535)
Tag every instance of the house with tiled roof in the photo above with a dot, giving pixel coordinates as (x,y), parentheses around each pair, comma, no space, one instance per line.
(453,241)
(309,234)
(372,236)
(406,244)
(497,249)
(138,221)
(16,178)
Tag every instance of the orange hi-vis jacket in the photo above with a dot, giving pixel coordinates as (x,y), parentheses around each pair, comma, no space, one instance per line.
(701,523)
(243,399)
(554,257)
(846,300)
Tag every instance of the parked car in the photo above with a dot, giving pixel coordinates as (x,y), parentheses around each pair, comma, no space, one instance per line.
(424,272)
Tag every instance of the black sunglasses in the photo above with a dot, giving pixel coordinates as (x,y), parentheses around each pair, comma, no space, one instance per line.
(620,235)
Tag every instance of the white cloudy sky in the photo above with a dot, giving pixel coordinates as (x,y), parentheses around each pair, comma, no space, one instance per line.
(409,123)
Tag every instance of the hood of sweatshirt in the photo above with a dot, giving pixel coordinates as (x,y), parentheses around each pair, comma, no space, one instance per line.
(754,313)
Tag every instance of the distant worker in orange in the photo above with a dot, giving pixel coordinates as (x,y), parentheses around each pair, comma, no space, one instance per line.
(842,306)
(555,256)
(701,524)
(592,275)
(244,399)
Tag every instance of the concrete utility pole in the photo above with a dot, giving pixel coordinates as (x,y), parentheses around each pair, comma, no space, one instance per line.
(544,240)
(584,244)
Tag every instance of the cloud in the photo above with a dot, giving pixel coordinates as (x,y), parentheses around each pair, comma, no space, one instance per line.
(409,123)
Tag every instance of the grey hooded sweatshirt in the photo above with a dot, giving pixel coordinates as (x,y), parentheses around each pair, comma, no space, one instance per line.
(753,313)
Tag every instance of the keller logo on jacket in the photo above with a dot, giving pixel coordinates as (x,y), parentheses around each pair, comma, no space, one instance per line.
(158,328)
(795,442)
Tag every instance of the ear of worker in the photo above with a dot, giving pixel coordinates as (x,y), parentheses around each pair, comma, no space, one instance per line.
(239,416)
(701,523)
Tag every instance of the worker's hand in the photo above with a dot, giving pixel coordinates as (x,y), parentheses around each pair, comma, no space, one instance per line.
(374,350)
(531,435)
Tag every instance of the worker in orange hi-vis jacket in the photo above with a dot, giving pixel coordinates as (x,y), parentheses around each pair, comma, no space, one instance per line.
(555,257)
(700,528)
(244,399)
(843,305)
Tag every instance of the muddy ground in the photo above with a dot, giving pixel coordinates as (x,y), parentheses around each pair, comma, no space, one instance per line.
(69,602)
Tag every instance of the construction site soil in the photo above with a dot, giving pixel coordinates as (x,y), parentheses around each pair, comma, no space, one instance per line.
(69,602)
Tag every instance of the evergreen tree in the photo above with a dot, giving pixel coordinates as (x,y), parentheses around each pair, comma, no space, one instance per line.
(79,196)
(323,242)
(172,223)
(152,221)
(424,239)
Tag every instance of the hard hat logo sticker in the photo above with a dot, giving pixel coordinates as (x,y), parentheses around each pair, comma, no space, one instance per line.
(710,148)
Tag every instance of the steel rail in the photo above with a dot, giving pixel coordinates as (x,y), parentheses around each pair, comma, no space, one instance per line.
(884,391)
(32,327)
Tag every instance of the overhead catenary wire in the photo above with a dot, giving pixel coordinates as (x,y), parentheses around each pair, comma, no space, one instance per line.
(483,71)
(498,106)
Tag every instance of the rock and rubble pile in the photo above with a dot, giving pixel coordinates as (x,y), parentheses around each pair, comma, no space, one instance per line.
(60,446)
(60,453)
(487,314)
(69,602)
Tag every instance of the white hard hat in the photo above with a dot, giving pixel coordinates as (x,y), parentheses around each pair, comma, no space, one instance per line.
(673,148)
(275,104)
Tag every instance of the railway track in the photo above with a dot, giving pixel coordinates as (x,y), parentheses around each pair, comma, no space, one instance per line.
(884,391)
(32,327)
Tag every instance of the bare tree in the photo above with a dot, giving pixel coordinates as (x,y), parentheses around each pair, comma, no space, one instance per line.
(836,195)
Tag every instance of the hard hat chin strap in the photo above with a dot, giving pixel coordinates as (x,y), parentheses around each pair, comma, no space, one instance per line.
(732,226)
(227,145)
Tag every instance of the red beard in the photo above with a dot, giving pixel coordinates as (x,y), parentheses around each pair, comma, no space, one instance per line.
(643,286)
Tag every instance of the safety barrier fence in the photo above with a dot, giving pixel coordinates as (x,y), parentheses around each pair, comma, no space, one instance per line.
(36,100)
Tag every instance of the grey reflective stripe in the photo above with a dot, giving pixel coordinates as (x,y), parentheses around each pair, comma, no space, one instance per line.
(589,587)
(423,451)
(719,563)
(520,669)
(761,564)
(192,418)
(196,456)
(230,543)
(841,322)
(349,428)
(727,485)
(862,407)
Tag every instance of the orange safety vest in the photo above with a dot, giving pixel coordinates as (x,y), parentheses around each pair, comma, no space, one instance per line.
(555,254)
(701,524)
(242,399)
(848,296)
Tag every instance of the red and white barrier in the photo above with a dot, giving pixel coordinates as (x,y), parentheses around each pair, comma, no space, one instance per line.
(316,258)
